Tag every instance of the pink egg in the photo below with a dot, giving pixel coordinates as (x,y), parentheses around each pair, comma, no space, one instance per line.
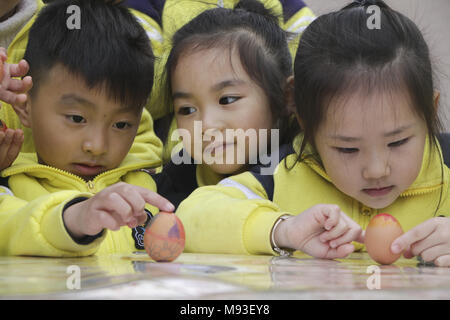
(382,230)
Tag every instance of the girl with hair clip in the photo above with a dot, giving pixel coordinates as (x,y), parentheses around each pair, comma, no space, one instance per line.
(227,75)
(367,106)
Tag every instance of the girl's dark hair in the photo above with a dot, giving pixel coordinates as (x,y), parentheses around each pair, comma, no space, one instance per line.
(110,49)
(261,44)
(340,53)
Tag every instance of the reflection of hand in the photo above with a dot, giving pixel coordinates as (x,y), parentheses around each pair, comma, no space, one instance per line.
(429,240)
(322,231)
(14,91)
(10,144)
(115,206)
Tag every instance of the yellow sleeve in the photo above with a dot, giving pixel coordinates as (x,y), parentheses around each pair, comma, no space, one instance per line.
(37,228)
(234,216)
(296,25)
(444,208)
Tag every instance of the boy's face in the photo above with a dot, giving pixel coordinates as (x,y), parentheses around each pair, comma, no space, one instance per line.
(372,146)
(77,129)
(6,6)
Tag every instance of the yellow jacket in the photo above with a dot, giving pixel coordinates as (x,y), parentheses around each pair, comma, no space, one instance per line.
(236,216)
(146,146)
(31,208)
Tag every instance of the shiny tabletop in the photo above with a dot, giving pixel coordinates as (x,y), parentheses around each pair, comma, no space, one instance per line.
(220,276)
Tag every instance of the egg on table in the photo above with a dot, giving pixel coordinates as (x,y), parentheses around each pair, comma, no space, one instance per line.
(381,231)
(164,237)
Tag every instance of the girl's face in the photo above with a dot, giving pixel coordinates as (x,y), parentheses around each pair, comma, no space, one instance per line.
(220,108)
(372,146)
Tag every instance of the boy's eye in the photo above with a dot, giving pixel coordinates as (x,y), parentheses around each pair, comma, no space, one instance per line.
(228,100)
(76,118)
(398,143)
(122,125)
(347,150)
(186,110)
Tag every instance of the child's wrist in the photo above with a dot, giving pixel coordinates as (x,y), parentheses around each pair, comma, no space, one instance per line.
(278,237)
(70,215)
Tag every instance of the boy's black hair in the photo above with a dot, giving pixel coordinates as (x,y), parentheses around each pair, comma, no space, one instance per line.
(340,54)
(110,50)
(261,44)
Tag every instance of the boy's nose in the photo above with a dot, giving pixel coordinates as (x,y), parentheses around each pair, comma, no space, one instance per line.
(95,145)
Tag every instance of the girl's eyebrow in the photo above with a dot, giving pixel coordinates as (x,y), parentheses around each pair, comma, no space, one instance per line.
(227,83)
(387,134)
(180,95)
(217,87)
(398,130)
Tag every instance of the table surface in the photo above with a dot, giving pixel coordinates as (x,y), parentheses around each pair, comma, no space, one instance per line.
(219,276)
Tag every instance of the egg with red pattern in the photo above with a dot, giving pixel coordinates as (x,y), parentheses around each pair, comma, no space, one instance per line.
(164,237)
(381,231)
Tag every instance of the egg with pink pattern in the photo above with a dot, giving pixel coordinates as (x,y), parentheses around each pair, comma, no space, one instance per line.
(164,237)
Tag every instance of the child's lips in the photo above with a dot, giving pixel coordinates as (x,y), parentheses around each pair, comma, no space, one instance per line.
(378,192)
(84,169)
(214,148)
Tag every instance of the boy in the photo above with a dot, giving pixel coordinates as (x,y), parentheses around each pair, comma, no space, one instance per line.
(146,145)
(90,87)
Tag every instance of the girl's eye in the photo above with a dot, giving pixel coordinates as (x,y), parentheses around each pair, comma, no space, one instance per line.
(76,118)
(347,150)
(184,111)
(228,100)
(122,125)
(398,143)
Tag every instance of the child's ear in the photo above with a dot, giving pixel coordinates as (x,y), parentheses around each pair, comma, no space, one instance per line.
(289,92)
(23,112)
(437,96)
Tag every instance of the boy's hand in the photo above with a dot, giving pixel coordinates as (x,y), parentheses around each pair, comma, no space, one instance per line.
(13,91)
(322,231)
(430,240)
(115,206)
(10,144)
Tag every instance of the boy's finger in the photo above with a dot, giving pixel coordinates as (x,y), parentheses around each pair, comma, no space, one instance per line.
(417,233)
(156,200)
(116,204)
(134,199)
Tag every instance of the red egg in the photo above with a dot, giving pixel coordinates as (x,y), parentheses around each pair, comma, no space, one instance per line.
(164,237)
(381,231)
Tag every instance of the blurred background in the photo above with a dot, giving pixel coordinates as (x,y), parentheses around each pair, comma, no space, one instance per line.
(433,19)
